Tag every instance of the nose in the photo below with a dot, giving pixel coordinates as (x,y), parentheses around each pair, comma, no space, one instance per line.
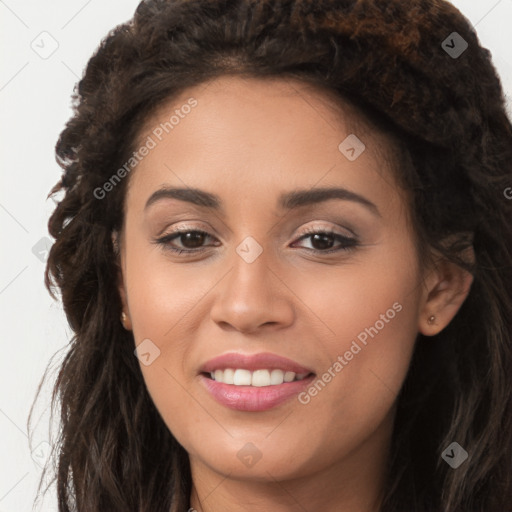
(252,296)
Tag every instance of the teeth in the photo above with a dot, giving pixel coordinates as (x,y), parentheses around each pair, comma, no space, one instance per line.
(227,376)
(276,377)
(258,378)
(241,377)
(289,376)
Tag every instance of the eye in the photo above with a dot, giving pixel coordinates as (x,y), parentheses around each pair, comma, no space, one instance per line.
(324,240)
(192,241)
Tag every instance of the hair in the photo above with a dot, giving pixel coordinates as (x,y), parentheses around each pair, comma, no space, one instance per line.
(453,144)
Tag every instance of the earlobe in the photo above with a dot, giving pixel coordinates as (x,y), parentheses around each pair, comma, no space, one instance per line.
(125,316)
(446,290)
(125,320)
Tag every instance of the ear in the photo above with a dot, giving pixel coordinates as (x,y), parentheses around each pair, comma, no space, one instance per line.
(121,287)
(446,287)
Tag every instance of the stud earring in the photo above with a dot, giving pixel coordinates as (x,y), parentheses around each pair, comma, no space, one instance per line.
(431,320)
(124,319)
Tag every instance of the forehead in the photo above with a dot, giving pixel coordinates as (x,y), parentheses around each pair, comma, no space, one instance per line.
(250,104)
(282,132)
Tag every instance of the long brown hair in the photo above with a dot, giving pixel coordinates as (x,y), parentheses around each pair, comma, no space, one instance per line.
(394,60)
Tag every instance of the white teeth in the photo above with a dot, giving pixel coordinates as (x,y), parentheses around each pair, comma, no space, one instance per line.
(276,377)
(228,377)
(241,377)
(289,376)
(258,378)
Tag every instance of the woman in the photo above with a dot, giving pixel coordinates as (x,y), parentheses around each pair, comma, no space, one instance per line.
(284,247)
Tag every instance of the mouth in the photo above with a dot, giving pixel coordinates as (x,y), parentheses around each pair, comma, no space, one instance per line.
(254,398)
(254,383)
(258,378)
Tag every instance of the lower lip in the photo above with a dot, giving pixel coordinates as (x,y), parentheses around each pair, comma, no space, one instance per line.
(254,399)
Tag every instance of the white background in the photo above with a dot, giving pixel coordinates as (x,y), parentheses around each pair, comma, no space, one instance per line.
(34,106)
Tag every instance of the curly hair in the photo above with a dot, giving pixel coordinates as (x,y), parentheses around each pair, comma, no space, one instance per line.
(454,155)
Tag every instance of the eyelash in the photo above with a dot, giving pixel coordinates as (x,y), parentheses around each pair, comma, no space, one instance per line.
(349,243)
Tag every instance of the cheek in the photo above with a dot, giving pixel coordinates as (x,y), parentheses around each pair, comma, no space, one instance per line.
(369,298)
(369,321)
(160,296)
(161,292)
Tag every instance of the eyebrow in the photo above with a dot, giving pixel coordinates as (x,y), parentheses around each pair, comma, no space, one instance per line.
(286,201)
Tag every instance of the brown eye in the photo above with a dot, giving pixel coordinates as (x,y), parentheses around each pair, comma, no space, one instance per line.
(323,241)
(190,240)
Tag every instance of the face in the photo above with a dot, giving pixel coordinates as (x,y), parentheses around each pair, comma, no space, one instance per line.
(301,301)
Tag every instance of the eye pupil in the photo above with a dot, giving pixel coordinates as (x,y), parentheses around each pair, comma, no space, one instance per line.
(322,238)
(192,236)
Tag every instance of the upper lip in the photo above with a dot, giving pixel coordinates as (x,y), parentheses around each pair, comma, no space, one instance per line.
(252,362)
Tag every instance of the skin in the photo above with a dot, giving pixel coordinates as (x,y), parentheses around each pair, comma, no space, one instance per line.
(249,140)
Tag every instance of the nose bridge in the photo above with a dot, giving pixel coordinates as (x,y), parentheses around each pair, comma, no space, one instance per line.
(251,294)
(250,277)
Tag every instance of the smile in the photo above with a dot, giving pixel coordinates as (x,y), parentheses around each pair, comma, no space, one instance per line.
(258,378)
